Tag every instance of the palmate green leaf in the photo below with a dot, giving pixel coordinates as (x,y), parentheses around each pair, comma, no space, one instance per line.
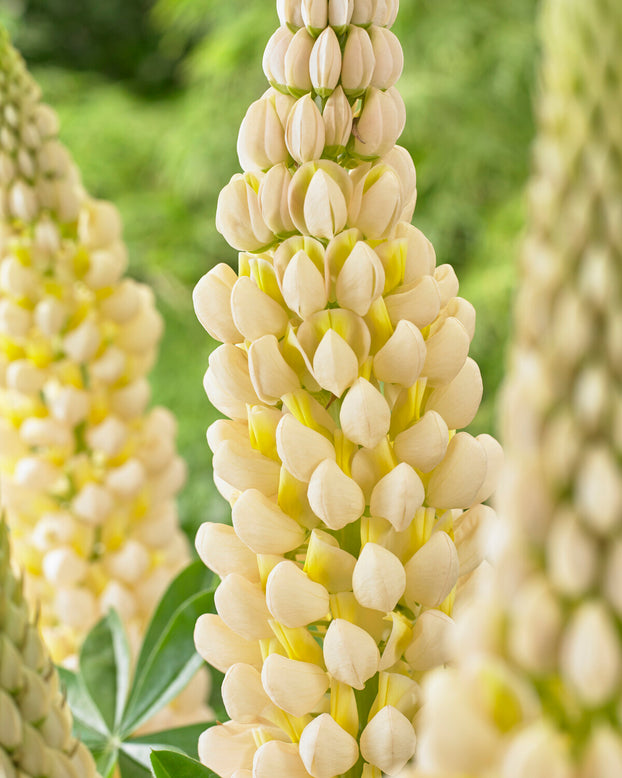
(105,760)
(130,768)
(169,764)
(168,658)
(88,723)
(105,668)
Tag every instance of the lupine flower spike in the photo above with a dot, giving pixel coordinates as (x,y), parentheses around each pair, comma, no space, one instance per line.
(35,719)
(538,688)
(344,374)
(89,475)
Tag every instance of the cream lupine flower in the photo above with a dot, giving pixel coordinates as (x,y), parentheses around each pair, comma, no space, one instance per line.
(344,374)
(89,474)
(35,719)
(537,689)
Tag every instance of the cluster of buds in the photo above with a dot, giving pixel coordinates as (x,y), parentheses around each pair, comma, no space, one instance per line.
(89,475)
(344,373)
(538,687)
(35,719)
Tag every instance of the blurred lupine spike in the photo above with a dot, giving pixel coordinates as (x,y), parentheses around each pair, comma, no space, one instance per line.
(344,373)
(35,724)
(537,687)
(89,474)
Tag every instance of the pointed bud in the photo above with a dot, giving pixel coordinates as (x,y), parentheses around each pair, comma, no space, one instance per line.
(273,200)
(401,359)
(334,497)
(446,353)
(378,126)
(261,140)
(289,13)
(293,598)
(296,687)
(535,626)
(93,503)
(379,579)
(457,480)
(327,563)
(238,216)
(365,415)
(272,377)
(358,62)
(494,465)
(397,496)
(431,641)
(432,572)
(325,63)
(305,133)
(229,368)
(318,198)
(389,57)
(598,490)
(301,449)
(388,741)
(337,115)
(350,653)
(275,759)
(221,647)
(335,365)
(242,606)
(303,286)
(603,754)
(423,445)
(376,202)
(243,695)
(226,748)
(472,531)
(361,279)
(457,402)
(222,551)
(538,751)
(274,56)
(326,749)
(263,526)
(296,63)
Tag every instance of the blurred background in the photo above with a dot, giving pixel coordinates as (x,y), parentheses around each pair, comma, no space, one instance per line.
(151,93)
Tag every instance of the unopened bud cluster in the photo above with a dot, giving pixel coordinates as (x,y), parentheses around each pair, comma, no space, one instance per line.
(35,719)
(538,691)
(89,475)
(344,374)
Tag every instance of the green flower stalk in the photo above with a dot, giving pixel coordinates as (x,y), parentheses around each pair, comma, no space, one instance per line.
(538,688)
(89,474)
(344,374)
(35,719)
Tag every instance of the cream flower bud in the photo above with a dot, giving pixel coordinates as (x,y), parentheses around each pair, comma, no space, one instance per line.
(599,491)
(15,321)
(471,533)
(328,564)
(274,56)
(539,752)
(293,598)
(273,199)
(535,626)
(334,497)
(110,366)
(457,480)
(572,556)
(431,641)
(64,567)
(457,402)
(238,216)
(358,62)
(296,687)
(379,579)
(243,695)
(432,572)
(418,302)
(272,377)
(365,415)
(376,202)
(388,741)
(296,63)
(397,496)
(226,748)
(612,580)
(93,503)
(337,115)
(423,445)
(229,366)
(263,526)
(603,754)
(318,198)
(261,140)
(243,467)
(378,126)
(335,365)
(590,654)
(289,12)
(300,448)
(276,759)
(99,224)
(446,352)
(361,279)
(400,360)
(326,749)
(340,13)
(75,607)
(303,286)
(50,316)
(350,653)
(314,14)
(221,646)
(389,57)
(305,134)
(494,465)
(222,551)
(81,343)
(325,62)
(22,202)
(242,607)
(254,312)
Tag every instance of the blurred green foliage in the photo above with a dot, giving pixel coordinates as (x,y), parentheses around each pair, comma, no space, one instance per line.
(151,97)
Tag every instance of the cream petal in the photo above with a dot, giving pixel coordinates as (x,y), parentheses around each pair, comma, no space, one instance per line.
(432,572)
(296,687)
(226,748)
(333,496)
(222,551)
(365,415)
(397,496)
(494,465)
(325,62)
(305,134)
(401,359)
(326,749)
(276,759)
(350,653)
(293,598)
(303,286)
(242,467)
(242,606)
(457,402)
(243,695)
(455,483)
(254,312)
(328,564)
(472,532)
(212,303)
(446,352)
(262,525)
(221,647)
(360,280)
(270,374)
(301,449)
(379,579)
(431,641)
(335,365)
(388,741)
(424,444)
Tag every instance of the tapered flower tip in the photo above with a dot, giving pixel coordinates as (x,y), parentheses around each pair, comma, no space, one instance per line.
(494,465)
(535,625)
(365,415)
(254,312)
(305,133)
(424,444)
(456,482)
(379,579)
(263,526)
(326,749)
(379,124)
(350,653)
(329,564)
(418,302)
(226,748)
(358,62)
(397,496)
(333,496)
(228,366)
(221,647)
(538,752)
(432,572)
(457,402)
(361,279)
(318,198)
(300,448)
(603,754)
(335,364)
(276,759)
(376,202)
(472,532)
(400,360)
(431,641)
(338,119)
(243,695)
(270,374)
(598,491)
(296,687)
(261,139)
(325,62)
(222,551)
(572,556)
(241,467)
(242,606)
(238,216)
(388,741)
(293,598)
(303,286)
(447,351)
